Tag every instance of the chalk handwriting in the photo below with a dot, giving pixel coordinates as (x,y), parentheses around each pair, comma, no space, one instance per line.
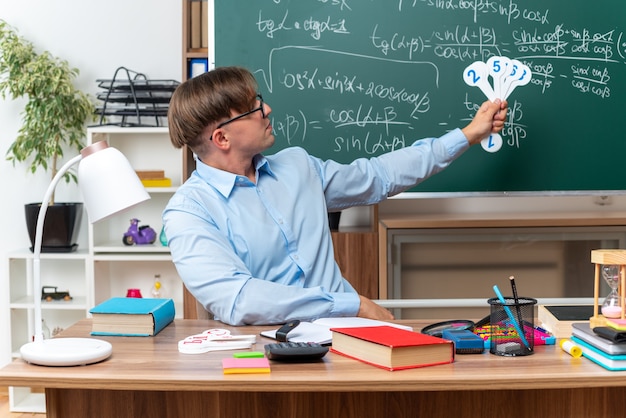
(316,28)
(369,144)
(368,85)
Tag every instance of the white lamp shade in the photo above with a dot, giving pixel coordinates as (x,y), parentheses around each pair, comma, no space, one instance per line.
(108,182)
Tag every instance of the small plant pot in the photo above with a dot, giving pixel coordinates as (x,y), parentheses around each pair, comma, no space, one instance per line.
(60,227)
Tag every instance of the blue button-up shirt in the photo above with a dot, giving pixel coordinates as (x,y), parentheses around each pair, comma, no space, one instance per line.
(262,253)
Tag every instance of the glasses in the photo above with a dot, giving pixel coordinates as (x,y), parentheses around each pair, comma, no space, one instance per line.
(261,108)
(256,109)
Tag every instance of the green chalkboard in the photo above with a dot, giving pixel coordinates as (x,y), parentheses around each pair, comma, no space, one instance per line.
(356,78)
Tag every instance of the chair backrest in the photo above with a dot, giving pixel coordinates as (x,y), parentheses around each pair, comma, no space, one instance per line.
(201,312)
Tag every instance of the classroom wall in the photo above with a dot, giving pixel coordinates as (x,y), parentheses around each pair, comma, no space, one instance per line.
(96,37)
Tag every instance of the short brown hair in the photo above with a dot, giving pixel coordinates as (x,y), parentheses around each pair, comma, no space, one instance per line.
(206,99)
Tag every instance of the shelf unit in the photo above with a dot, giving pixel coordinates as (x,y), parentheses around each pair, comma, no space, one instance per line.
(115,266)
(68,272)
(190,51)
(188,54)
(106,267)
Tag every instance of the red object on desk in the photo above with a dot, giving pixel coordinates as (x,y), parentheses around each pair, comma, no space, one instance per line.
(391,348)
(133,293)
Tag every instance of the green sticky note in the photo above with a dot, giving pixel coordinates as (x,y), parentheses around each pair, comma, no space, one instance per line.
(249,354)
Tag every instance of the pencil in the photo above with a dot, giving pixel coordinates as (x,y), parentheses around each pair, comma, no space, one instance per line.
(516,299)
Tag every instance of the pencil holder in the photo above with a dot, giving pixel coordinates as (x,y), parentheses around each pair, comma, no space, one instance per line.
(512,326)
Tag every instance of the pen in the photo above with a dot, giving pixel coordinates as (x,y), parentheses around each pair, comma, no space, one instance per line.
(510,315)
(516,299)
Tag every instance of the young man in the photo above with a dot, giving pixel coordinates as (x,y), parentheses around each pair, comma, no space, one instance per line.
(249,233)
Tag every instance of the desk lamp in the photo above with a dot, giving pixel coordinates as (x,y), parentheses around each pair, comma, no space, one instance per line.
(109,185)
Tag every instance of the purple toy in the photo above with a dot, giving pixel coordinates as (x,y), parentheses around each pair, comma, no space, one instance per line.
(139,234)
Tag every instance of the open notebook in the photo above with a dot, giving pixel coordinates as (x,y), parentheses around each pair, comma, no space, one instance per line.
(319,332)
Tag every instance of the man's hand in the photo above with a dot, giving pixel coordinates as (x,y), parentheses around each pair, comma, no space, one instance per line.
(489,119)
(371,310)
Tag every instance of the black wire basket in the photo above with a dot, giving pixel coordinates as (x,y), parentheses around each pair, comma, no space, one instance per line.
(131,99)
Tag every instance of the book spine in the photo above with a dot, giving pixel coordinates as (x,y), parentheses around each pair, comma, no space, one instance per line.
(195,26)
(163,315)
(164,182)
(204,22)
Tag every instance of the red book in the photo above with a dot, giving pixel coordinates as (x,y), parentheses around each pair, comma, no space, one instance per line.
(391,348)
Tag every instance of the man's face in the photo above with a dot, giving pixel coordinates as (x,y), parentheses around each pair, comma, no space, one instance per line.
(251,131)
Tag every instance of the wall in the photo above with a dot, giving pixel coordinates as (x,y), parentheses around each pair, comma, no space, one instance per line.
(96,37)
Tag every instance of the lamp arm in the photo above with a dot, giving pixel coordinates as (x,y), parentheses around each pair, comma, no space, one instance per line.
(38,244)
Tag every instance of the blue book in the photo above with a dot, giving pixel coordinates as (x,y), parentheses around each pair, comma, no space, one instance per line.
(608,361)
(132,317)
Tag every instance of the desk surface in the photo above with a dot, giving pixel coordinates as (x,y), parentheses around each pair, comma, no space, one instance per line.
(154,364)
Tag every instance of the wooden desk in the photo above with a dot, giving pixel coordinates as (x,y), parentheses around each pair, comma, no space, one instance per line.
(148,377)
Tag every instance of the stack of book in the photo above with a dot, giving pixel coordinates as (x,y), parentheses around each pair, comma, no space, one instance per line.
(558,319)
(608,353)
(154,178)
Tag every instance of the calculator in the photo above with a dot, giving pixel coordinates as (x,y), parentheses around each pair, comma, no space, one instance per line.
(295,352)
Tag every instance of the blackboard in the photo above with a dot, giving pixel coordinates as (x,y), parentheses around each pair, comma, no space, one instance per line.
(356,78)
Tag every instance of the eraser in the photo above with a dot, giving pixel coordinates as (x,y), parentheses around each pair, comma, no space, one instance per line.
(509,347)
(465,341)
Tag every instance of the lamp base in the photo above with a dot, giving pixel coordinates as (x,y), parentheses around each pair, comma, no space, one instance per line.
(66,351)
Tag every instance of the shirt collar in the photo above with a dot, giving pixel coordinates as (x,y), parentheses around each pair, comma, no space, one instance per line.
(224,182)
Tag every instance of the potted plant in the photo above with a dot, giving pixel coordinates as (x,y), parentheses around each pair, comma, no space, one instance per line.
(53,121)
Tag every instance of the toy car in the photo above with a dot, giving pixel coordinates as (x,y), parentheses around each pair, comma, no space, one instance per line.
(139,234)
(50,293)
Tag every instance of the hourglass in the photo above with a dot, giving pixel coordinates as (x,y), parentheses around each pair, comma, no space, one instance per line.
(611,264)
(612,307)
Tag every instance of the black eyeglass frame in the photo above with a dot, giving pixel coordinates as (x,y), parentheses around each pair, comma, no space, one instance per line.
(249,112)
